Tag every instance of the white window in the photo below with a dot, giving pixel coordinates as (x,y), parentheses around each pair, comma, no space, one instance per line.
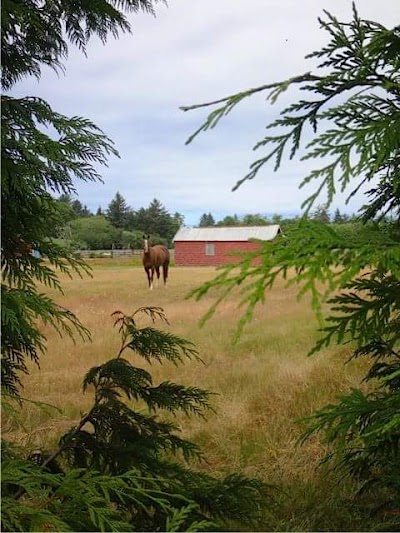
(210,248)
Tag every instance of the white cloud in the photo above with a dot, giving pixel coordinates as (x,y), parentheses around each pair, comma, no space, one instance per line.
(194,51)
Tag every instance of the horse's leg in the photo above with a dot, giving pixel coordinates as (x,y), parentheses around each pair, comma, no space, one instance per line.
(158,275)
(150,274)
(165,273)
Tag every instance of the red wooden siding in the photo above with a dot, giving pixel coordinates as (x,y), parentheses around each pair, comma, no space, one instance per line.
(193,253)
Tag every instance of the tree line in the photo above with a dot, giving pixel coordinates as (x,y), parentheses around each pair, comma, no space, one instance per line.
(119,226)
(321,214)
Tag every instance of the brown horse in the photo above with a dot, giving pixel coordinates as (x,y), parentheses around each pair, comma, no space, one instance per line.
(154,257)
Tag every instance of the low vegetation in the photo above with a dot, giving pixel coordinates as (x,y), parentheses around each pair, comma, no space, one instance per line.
(264,386)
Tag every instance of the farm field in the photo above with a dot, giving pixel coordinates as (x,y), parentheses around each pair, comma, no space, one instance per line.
(264,385)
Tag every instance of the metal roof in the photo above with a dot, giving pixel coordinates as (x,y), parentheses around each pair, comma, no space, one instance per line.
(231,233)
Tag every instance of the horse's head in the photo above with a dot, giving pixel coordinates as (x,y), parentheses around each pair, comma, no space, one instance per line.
(146,243)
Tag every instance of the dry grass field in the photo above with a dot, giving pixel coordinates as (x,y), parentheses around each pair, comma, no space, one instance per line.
(263,385)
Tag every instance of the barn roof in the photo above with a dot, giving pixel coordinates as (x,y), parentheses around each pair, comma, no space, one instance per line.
(231,233)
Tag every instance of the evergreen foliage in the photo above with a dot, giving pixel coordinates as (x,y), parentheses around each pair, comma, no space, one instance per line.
(321,213)
(339,218)
(33,165)
(206,220)
(118,211)
(34,34)
(156,221)
(117,469)
(119,227)
(356,93)
(80,210)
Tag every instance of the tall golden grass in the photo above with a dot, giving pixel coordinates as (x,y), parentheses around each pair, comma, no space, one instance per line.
(264,384)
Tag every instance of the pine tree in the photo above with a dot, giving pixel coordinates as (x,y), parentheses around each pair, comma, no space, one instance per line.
(178,219)
(118,211)
(206,220)
(337,217)
(156,221)
(356,90)
(157,218)
(203,221)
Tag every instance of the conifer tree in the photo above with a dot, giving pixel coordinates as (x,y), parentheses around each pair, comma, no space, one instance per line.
(113,471)
(339,218)
(206,220)
(118,211)
(156,221)
(356,90)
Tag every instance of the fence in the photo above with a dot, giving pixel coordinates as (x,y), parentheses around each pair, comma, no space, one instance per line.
(112,253)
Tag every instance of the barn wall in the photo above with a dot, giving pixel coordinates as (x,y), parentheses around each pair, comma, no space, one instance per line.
(193,253)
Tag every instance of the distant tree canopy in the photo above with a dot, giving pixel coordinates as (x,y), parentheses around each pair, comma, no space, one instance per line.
(95,233)
(206,220)
(155,220)
(320,213)
(340,218)
(256,219)
(229,220)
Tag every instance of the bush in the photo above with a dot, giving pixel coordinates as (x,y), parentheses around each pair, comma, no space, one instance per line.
(97,232)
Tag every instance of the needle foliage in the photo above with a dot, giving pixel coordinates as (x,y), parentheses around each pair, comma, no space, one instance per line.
(123,467)
(347,120)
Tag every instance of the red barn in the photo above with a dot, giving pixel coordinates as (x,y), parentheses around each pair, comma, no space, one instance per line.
(212,246)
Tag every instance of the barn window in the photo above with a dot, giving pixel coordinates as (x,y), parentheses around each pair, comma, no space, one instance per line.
(210,248)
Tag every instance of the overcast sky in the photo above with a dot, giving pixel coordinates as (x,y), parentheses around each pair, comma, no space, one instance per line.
(195,51)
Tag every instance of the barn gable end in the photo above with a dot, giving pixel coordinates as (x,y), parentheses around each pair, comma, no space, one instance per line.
(213,246)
